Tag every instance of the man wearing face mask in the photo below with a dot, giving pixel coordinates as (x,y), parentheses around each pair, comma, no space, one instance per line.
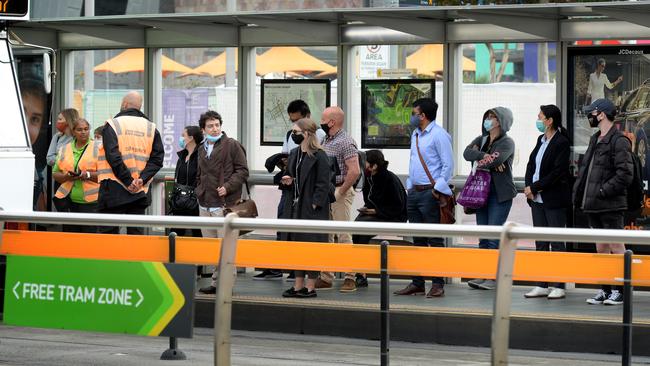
(430,168)
(341,146)
(222,170)
(600,190)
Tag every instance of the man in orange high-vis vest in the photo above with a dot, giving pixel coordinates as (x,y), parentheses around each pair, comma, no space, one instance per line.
(131,154)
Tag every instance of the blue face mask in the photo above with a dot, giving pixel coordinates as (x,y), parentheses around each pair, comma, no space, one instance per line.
(415,121)
(213,139)
(181,143)
(540,126)
(488,124)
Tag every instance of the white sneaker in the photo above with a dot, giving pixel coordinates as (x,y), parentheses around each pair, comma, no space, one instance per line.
(615,298)
(556,293)
(537,292)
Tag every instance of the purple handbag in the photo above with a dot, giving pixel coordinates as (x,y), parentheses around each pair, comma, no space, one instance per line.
(476,190)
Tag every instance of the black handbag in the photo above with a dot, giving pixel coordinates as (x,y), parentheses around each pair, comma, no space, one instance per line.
(182,200)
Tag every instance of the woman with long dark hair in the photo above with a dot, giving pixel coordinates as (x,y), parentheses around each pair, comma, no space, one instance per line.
(185,173)
(309,171)
(547,187)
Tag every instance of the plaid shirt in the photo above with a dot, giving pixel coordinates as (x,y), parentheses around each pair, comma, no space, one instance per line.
(342,147)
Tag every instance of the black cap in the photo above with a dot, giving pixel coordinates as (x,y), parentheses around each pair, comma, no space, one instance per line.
(601,105)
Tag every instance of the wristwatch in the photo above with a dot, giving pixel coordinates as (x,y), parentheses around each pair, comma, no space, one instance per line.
(87,175)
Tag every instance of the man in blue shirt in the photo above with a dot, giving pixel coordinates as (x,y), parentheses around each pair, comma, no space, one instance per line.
(430,168)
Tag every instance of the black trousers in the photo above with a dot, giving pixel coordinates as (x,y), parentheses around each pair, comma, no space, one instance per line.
(549,217)
(127,209)
(80,208)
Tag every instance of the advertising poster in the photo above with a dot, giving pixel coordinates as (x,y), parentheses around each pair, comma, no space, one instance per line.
(181,108)
(622,75)
(386,110)
(276,96)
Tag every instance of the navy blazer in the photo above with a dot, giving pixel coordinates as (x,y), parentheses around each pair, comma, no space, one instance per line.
(553,183)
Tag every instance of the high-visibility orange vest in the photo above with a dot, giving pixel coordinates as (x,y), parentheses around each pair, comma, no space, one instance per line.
(87,162)
(135,141)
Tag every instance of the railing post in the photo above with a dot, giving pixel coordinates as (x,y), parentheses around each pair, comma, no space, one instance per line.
(626,358)
(223,300)
(503,297)
(172,353)
(384,305)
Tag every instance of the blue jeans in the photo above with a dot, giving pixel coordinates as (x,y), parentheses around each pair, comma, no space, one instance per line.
(423,208)
(493,213)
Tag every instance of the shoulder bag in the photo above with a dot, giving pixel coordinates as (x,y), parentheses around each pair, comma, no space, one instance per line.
(447,203)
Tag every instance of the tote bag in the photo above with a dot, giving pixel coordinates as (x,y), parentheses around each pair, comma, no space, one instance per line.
(476,190)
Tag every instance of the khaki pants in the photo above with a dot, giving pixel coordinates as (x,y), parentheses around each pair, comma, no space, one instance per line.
(211,233)
(340,211)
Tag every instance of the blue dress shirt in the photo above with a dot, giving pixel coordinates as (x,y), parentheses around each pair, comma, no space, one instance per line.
(435,147)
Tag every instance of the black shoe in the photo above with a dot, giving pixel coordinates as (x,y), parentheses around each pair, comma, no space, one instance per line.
(304,293)
(361,281)
(267,275)
(292,276)
(209,290)
(291,292)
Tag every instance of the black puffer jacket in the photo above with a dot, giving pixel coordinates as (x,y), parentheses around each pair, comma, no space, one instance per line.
(606,188)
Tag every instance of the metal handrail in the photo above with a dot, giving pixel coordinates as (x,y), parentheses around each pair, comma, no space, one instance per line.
(508,234)
(519,232)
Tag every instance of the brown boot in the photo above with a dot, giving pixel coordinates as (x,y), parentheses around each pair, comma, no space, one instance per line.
(348,286)
(411,289)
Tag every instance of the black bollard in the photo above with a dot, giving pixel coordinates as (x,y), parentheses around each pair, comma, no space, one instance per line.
(172,353)
(384,306)
(626,358)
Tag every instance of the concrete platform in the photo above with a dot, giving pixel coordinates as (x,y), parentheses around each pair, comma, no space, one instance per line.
(462,317)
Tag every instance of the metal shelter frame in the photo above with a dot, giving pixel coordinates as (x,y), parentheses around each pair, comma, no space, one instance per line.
(451,26)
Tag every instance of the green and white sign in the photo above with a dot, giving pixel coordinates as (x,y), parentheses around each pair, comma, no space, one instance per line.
(145,298)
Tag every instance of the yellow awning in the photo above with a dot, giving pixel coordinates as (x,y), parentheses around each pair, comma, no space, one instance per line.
(290,59)
(214,67)
(428,60)
(132,60)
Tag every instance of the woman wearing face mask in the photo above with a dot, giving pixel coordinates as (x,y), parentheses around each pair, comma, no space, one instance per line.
(494,151)
(309,171)
(63,133)
(186,169)
(547,187)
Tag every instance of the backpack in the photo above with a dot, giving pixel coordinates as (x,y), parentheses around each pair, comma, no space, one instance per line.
(635,191)
(358,185)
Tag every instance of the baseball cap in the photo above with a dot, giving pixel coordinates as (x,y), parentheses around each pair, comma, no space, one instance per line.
(602,105)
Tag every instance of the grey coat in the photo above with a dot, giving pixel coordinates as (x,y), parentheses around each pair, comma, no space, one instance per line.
(501,168)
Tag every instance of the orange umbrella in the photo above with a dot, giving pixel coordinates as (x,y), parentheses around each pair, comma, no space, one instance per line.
(428,60)
(132,60)
(286,59)
(214,67)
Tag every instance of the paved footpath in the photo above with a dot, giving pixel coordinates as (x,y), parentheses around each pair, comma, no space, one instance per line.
(29,346)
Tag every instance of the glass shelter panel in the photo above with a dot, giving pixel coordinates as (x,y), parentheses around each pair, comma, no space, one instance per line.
(417,71)
(101,78)
(196,80)
(519,76)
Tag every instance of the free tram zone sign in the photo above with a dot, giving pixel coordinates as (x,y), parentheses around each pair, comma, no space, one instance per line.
(144,298)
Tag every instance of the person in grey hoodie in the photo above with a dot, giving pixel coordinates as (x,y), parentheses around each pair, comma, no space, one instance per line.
(494,151)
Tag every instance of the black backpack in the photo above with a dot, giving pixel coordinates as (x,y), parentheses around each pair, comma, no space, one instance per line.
(358,185)
(635,191)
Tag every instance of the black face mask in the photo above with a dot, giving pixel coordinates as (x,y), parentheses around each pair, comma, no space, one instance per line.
(297,138)
(593,120)
(325,128)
